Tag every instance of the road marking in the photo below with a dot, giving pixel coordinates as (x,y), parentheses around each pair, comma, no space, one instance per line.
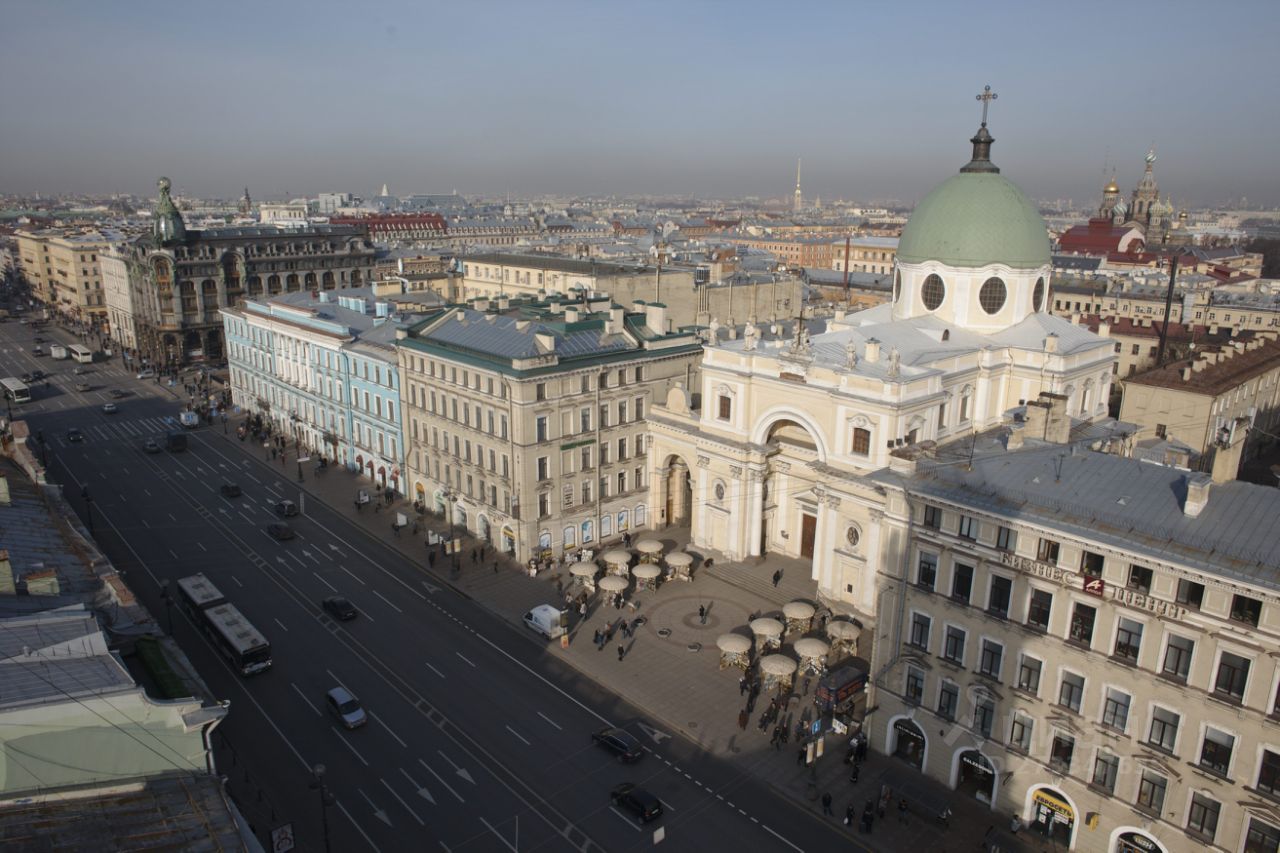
(433,669)
(325,582)
(356,577)
(237,580)
(359,828)
(350,747)
(305,699)
(297,559)
(171,518)
(421,789)
(518,736)
(393,607)
(171,554)
(245,517)
(380,814)
(388,728)
(666,805)
(200,545)
(504,841)
(551,721)
(459,770)
(780,838)
(420,821)
(464,657)
(631,823)
(281,624)
(144,523)
(441,781)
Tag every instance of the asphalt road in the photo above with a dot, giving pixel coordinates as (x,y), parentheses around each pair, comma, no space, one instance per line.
(478,739)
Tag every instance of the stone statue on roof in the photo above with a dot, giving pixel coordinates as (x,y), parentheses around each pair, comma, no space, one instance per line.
(750,336)
(895,362)
(851,355)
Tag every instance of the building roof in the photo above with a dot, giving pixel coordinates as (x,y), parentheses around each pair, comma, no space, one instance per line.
(974,219)
(511,337)
(552,262)
(1225,367)
(54,656)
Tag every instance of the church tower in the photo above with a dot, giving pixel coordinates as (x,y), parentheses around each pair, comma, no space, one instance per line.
(1146,193)
(246,203)
(1110,195)
(167,226)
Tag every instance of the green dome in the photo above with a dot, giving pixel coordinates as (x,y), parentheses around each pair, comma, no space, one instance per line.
(974,219)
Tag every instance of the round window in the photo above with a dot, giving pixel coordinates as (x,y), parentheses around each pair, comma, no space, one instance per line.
(719,491)
(853,536)
(1037,295)
(897,285)
(933,292)
(992,295)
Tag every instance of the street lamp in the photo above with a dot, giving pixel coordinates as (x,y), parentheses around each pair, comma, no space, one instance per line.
(326,799)
(454,545)
(168,604)
(88,507)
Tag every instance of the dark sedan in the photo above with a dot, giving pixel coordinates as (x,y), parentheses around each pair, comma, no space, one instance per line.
(230,490)
(339,608)
(619,743)
(280,531)
(643,806)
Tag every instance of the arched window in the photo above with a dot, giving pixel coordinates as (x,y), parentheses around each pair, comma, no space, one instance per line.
(623,519)
(1037,295)
(639,516)
(588,532)
(992,295)
(966,400)
(606,526)
(933,292)
(861,442)
(570,536)
(544,539)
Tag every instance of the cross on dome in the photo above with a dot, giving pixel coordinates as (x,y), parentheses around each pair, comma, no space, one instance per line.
(986,97)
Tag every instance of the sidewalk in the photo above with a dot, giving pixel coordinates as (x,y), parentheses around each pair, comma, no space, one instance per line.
(675,675)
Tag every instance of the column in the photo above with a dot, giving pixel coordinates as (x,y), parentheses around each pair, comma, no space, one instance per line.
(679,503)
(755,511)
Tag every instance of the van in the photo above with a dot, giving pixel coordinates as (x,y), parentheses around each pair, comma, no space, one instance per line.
(189,420)
(548,621)
(175,442)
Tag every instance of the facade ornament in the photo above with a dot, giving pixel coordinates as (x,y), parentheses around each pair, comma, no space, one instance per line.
(757,475)
(704,461)
(735,471)
(750,337)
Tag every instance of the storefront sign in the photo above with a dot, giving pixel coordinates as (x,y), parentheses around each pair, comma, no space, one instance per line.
(1053,804)
(979,764)
(1145,602)
(1094,586)
(1035,567)
(1136,841)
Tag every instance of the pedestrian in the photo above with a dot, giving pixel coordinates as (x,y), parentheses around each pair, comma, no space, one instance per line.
(849,813)
(622,650)
(800,756)
(853,777)
(902,810)
(742,685)
(431,559)
(595,638)
(395,528)
(702,613)
(473,556)
(743,718)
(826,804)
(775,739)
(495,567)
(777,576)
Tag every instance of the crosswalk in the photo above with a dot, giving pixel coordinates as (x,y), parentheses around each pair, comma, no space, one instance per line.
(127,429)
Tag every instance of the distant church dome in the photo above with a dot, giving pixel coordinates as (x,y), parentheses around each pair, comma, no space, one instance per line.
(1112,187)
(976,218)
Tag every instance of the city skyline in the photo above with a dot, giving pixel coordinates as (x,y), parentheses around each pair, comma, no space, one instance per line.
(572,99)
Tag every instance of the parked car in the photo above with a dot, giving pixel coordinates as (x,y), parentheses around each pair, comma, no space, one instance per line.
(339,608)
(620,743)
(151,446)
(230,490)
(280,531)
(643,806)
(116,393)
(286,509)
(83,386)
(74,435)
(110,408)
(346,708)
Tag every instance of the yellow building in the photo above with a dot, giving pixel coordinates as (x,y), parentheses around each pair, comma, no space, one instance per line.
(62,268)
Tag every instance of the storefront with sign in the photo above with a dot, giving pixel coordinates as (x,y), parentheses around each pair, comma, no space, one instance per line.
(1129,840)
(1052,815)
(908,742)
(975,776)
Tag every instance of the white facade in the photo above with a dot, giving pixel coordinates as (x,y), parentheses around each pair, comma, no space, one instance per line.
(114,265)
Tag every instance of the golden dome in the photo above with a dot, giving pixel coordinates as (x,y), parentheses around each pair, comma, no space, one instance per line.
(1111,187)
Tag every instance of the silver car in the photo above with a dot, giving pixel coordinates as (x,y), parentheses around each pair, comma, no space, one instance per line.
(346,708)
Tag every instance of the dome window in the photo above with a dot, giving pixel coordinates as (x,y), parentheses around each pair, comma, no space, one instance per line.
(992,295)
(1037,295)
(933,292)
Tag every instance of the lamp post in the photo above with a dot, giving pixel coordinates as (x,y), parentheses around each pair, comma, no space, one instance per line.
(166,595)
(317,784)
(88,507)
(453,546)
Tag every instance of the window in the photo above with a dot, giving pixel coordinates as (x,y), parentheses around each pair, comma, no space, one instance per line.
(1140,578)
(1006,539)
(992,658)
(1269,773)
(861,442)
(915,685)
(932,517)
(984,715)
(1177,657)
(1020,732)
(1115,710)
(1039,608)
(1091,564)
(1029,674)
(544,468)
(948,698)
(540,391)
(921,624)
(933,292)
(1261,838)
(1064,746)
(961,582)
(1233,673)
(584,420)
(586,458)
(541,428)
(1128,639)
(544,505)
(1082,623)
(1164,728)
(726,407)
(1215,752)
(622,411)
(1105,768)
(1047,551)
(998,596)
(1246,610)
(927,571)
(622,449)
(1203,816)
(1190,594)
(1071,692)
(1151,790)
(622,482)
(953,650)
(968,528)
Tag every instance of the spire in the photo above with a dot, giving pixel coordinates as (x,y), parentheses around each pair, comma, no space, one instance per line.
(982,140)
(798,201)
(168,226)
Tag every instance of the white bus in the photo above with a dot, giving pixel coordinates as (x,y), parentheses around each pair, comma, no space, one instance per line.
(81,353)
(16,390)
(237,640)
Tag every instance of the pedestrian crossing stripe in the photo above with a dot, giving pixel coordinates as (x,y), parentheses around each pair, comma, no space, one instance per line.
(131,429)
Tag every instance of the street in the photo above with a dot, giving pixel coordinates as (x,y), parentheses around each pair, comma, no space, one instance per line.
(477,739)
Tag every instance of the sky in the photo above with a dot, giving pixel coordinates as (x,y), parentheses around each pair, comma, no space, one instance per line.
(709,99)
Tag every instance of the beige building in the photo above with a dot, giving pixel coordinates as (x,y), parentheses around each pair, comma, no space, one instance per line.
(865,253)
(525,422)
(62,268)
(496,274)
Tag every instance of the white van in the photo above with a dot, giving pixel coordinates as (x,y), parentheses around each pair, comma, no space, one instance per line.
(548,621)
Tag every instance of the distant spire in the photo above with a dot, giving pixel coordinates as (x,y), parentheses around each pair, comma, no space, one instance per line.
(798,202)
(982,140)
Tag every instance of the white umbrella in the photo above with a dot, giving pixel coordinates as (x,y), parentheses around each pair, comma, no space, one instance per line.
(778,665)
(583,570)
(679,558)
(766,627)
(617,555)
(646,572)
(734,644)
(811,647)
(798,610)
(841,630)
(613,583)
(649,546)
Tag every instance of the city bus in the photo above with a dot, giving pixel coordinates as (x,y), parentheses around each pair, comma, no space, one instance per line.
(238,641)
(81,353)
(16,390)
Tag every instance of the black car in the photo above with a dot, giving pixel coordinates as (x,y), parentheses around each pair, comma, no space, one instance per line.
(230,490)
(280,531)
(643,806)
(619,743)
(339,608)
(286,509)
(74,435)
(116,393)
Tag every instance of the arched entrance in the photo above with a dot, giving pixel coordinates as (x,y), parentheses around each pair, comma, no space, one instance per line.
(791,524)
(677,488)
(1130,839)
(975,776)
(1053,815)
(907,741)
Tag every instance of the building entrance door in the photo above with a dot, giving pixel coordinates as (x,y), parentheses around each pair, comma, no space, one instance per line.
(808,532)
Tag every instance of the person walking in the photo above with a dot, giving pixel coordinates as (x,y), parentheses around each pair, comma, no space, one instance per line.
(800,756)
(853,777)
(902,810)
(775,739)
(702,613)
(622,651)
(595,638)
(742,685)
(826,804)
(743,718)
(495,567)
(850,814)
(777,577)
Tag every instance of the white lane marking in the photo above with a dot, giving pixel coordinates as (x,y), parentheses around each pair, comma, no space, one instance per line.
(464,657)
(325,582)
(145,523)
(305,699)
(628,821)
(171,554)
(666,805)
(518,736)
(297,559)
(245,517)
(433,669)
(459,770)
(780,838)
(349,746)
(200,545)
(551,721)
(421,789)
(171,518)
(359,828)
(378,720)
(356,577)
(504,841)
(237,580)
(281,624)
(380,814)
(420,821)
(441,781)
(389,604)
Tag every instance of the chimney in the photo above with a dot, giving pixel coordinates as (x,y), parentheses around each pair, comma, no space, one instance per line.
(1057,428)
(1016,435)
(571,314)
(546,341)
(1051,342)
(7,586)
(481,305)
(616,320)
(655,317)
(1228,445)
(1104,330)
(1186,373)
(872,354)
(1197,497)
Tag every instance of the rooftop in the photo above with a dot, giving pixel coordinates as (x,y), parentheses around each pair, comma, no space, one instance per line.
(55,656)
(552,262)
(1216,370)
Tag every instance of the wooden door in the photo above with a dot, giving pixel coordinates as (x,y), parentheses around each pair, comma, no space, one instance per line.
(808,531)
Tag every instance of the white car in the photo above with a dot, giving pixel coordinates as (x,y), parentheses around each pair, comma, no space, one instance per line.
(109,408)
(147,374)
(346,708)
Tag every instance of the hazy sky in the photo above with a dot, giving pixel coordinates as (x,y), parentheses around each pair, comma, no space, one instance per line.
(705,98)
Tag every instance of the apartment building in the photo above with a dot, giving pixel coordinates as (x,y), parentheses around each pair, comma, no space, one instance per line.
(63,270)
(865,253)
(525,420)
